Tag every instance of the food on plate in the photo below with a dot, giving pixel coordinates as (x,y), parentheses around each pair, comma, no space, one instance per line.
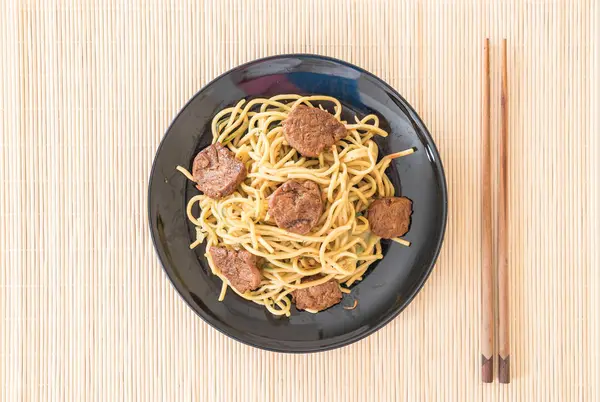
(296,206)
(389,217)
(240,267)
(311,130)
(318,295)
(216,171)
(295,201)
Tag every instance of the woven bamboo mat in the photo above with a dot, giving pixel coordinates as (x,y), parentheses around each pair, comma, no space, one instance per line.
(87,89)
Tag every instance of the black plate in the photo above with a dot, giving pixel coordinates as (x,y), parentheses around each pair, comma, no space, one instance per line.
(387,288)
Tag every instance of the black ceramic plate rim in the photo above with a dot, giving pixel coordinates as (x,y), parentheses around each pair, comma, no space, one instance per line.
(427,272)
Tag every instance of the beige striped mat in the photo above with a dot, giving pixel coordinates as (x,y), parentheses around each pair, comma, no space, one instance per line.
(87,89)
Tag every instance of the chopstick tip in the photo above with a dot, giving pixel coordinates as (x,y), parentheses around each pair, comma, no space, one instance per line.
(487,369)
(504,370)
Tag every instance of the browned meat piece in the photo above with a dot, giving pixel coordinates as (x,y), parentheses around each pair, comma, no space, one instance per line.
(296,206)
(216,171)
(240,267)
(318,297)
(310,130)
(390,217)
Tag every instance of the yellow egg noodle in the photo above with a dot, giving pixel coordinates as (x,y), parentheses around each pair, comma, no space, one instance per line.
(340,246)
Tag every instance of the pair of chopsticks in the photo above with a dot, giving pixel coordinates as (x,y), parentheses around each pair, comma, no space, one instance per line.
(487,270)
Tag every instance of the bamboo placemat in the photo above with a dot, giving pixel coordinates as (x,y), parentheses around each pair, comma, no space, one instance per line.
(89,87)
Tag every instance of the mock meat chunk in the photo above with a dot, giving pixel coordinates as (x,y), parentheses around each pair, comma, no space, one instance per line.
(390,217)
(240,267)
(217,172)
(296,206)
(310,130)
(319,297)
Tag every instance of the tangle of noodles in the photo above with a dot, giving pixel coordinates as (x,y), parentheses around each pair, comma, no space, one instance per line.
(340,246)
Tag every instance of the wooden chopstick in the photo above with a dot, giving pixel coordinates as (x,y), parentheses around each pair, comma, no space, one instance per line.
(503,313)
(487,307)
